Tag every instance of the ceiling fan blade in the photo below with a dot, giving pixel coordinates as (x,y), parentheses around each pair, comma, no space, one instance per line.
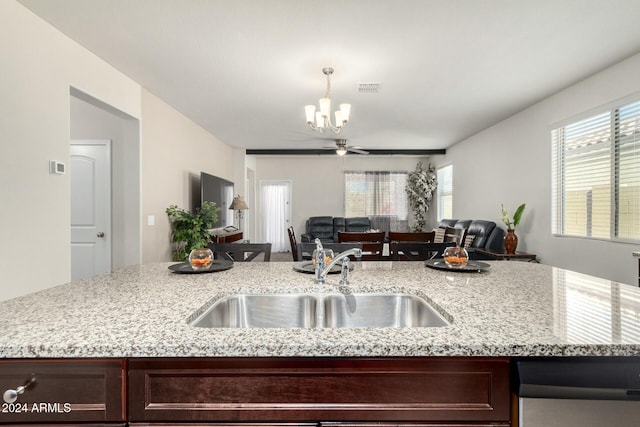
(357,150)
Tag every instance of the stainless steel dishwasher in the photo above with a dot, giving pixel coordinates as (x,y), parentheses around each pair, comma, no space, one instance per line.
(579,391)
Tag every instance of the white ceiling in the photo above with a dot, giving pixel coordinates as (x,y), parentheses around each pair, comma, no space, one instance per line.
(244,69)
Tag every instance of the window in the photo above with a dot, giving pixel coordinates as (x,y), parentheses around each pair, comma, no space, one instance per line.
(596,175)
(380,196)
(445,192)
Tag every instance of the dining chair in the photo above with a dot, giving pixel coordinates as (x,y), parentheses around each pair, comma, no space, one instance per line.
(305,249)
(372,243)
(241,252)
(293,243)
(418,236)
(417,251)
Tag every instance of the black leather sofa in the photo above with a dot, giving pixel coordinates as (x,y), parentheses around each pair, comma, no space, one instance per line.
(326,227)
(487,234)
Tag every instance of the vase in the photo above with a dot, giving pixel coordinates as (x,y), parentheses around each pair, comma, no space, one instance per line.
(510,241)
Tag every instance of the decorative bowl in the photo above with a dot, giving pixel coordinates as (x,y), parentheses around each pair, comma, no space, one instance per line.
(201,258)
(456,256)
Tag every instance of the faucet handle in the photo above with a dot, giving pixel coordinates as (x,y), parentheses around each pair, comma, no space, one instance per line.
(344,274)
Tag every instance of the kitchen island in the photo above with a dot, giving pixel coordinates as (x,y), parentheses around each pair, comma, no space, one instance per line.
(120,348)
(514,309)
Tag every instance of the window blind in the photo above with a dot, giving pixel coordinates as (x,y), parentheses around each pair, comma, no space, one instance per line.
(445,192)
(379,195)
(596,175)
(627,155)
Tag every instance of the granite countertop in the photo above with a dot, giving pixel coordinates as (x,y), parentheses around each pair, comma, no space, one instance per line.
(514,309)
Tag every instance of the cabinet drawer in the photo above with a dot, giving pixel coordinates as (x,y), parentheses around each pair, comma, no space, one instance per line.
(319,389)
(64,391)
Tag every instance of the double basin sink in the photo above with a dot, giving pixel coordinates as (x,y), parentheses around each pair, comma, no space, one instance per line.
(352,310)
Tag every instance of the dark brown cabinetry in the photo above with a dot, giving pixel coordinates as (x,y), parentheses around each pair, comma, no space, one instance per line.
(326,391)
(87,391)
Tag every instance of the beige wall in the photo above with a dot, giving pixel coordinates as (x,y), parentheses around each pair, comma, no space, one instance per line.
(174,152)
(39,65)
(510,163)
(317,182)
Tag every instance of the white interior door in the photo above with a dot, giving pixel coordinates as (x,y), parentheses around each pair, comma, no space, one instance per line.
(275,202)
(90,176)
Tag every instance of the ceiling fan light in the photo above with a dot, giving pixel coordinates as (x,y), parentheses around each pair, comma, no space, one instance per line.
(341,151)
(345,110)
(325,106)
(310,111)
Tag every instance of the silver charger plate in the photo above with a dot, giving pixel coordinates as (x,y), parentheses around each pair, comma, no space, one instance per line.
(216,265)
(472,266)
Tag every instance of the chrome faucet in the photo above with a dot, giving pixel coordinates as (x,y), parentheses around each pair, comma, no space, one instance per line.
(322,268)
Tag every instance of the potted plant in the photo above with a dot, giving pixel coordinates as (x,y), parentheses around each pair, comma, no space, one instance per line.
(421,185)
(191,230)
(510,239)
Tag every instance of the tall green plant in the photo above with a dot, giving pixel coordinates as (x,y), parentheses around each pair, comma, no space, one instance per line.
(421,184)
(191,230)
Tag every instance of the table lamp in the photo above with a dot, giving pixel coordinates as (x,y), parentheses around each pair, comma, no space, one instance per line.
(239,205)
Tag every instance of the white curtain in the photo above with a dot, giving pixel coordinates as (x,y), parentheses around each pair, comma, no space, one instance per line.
(275,214)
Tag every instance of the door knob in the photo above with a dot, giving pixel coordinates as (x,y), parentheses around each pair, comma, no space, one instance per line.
(100,234)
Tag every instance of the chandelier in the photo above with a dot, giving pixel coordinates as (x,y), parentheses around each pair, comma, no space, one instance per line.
(321,120)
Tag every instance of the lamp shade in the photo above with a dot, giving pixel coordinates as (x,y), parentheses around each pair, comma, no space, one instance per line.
(238,204)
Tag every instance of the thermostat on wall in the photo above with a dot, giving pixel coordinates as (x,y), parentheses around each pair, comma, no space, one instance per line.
(56,167)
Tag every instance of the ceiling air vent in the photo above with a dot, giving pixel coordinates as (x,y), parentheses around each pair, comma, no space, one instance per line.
(371,87)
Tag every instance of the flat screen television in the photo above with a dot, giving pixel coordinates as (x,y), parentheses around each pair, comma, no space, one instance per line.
(220,191)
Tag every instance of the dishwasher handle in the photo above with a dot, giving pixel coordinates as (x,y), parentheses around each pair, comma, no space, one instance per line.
(597,378)
(567,392)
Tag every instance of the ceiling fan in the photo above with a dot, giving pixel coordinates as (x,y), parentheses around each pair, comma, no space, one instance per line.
(342,148)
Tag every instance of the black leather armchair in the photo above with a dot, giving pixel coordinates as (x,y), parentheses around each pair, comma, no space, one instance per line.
(320,227)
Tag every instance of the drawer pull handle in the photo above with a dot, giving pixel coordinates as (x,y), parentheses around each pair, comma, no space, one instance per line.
(11,396)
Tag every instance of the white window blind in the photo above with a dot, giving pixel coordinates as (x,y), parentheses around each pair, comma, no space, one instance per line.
(380,196)
(596,175)
(445,192)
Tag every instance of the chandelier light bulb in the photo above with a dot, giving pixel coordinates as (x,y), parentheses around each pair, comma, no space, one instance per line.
(310,111)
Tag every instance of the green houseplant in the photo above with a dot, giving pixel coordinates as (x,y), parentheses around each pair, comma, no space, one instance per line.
(421,184)
(191,230)
(510,239)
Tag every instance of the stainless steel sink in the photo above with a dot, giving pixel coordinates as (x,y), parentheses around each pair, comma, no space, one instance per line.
(361,310)
(380,311)
(260,311)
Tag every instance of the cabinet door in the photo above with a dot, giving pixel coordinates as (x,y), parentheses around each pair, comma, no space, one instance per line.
(319,389)
(64,391)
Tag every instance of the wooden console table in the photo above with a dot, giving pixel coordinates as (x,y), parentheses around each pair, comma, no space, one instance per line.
(506,256)
(227,237)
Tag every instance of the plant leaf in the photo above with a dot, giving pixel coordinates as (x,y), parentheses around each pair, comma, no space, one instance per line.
(518,214)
